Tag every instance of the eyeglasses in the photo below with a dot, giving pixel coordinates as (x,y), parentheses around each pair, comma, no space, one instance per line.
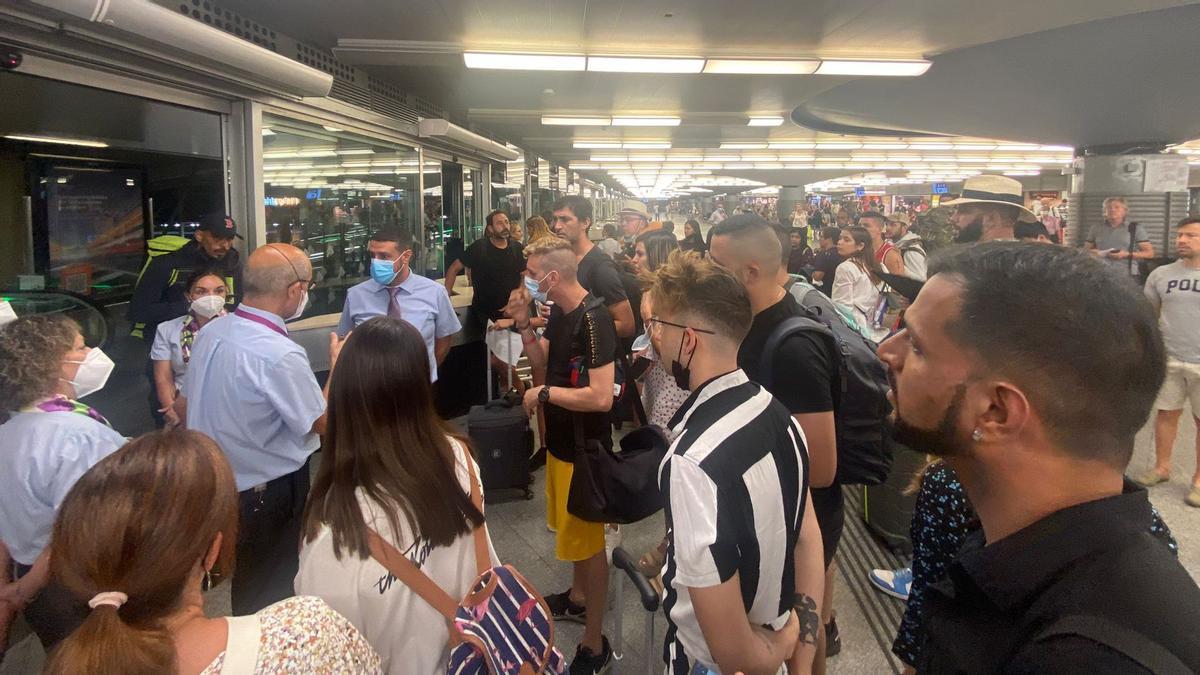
(655,325)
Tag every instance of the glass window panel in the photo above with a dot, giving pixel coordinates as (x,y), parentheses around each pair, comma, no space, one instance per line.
(327,191)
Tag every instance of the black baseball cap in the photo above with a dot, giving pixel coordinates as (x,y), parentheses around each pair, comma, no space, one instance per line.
(221,226)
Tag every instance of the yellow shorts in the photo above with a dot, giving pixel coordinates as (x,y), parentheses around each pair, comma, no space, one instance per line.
(575,540)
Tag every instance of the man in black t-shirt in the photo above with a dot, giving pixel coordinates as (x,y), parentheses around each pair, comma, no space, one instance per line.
(826,260)
(573,370)
(597,272)
(494,264)
(804,370)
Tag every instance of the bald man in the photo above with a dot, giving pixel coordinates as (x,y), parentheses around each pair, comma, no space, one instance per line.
(252,390)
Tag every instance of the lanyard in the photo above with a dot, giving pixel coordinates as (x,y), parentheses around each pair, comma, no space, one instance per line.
(259,320)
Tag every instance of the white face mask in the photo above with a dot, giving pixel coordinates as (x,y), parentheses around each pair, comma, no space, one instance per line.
(300,308)
(93,373)
(208,306)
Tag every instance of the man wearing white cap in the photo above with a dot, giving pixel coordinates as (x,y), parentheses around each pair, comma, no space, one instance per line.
(634,221)
(988,208)
(909,244)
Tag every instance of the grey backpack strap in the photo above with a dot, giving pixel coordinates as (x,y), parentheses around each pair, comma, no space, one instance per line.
(1135,646)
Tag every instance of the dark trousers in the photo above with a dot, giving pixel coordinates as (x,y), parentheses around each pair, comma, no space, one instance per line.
(830,509)
(268,546)
(54,614)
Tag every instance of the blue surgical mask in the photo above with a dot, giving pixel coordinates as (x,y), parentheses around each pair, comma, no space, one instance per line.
(533,286)
(383,271)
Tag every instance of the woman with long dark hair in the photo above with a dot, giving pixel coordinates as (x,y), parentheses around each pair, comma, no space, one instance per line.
(390,465)
(137,539)
(856,283)
(692,241)
(652,248)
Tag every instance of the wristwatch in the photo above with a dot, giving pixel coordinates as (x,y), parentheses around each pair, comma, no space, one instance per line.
(544,395)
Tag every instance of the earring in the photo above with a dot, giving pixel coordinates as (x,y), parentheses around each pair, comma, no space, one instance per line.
(206,583)
(977,435)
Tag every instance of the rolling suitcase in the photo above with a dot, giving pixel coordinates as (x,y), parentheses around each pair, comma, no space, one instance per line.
(886,508)
(503,440)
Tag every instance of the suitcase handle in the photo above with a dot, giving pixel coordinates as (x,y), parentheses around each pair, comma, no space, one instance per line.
(624,561)
(498,403)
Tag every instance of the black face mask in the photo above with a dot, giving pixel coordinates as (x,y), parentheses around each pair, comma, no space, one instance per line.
(682,373)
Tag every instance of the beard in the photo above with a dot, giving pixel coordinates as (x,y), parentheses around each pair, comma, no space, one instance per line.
(971,233)
(502,234)
(940,441)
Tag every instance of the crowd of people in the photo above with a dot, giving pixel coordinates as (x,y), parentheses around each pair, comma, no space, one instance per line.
(112,542)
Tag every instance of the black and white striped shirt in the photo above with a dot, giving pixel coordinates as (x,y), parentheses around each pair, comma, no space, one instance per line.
(735,479)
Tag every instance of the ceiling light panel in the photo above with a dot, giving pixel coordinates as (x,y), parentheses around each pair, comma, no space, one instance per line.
(649,121)
(765,121)
(789,145)
(554,120)
(596,145)
(642,145)
(498,61)
(865,67)
(762,66)
(639,64)
(838,146)
(743,146)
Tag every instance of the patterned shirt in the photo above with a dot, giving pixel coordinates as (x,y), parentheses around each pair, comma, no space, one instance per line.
(305,635)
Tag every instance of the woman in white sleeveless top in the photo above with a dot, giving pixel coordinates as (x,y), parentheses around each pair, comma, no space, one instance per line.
(856,283)
(138,537)
(391,465)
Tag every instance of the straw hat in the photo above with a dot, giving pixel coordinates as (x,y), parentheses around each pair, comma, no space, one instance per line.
(986,189)
(900,217)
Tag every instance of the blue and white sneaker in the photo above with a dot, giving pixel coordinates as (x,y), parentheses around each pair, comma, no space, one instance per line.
(895,583)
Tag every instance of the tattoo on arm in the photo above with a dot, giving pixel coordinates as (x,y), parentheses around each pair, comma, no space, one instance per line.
(810,620)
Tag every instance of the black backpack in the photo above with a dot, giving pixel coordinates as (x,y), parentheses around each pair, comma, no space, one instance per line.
(861,408)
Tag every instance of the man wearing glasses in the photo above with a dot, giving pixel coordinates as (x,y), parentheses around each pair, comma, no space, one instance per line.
(251,389)
(395,290)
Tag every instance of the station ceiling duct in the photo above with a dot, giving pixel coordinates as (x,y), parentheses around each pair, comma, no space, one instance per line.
(160,25)
(439,128)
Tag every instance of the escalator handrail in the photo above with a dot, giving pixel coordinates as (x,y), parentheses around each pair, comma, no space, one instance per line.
(82,299)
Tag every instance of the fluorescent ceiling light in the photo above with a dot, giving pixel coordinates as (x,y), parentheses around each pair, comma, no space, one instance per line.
(930,146)
(762,66)
(873,68)
(644,145)
(647,158)
(57,140)
(743,146)
(497,61)
(645,121)
(838,146)
(266,131)
(555,120)
(765,121)
(356,151)
(326,127)
(885,146)
(596,145)
(974,146)
(1019,147)
(640,64)
(293,154)
(739,166)
(1057,148)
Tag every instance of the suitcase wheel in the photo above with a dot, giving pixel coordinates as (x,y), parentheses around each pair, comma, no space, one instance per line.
(528,494)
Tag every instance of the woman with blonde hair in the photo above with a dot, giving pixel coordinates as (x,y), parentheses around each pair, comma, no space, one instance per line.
(537,228)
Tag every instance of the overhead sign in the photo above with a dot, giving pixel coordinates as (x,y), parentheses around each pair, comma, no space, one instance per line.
(860,192)
(941,189)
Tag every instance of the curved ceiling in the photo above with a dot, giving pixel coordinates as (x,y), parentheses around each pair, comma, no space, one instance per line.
(1122,80)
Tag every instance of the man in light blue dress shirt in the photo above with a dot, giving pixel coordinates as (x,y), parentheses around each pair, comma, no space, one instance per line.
(395,290)
(252,390)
